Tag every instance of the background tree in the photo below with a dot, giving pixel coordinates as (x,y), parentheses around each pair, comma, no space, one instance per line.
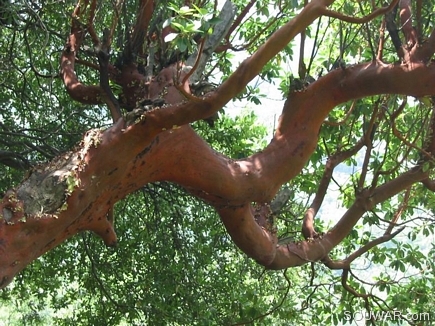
(158,66)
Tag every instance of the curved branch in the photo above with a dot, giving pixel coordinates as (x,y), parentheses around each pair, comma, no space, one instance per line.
(380,52)
(424,52)
(368,141)
(229,185)
(90,24)
(345,263)
(344,120)
(301,253)
(335,159)
(77,91)
(143,19)
(14,160)
(117,8)
(239,19)
(149,149)
(360,20)
(429,184)
(196,64)
(250,67)
(350,289)
(393,31)
(103,55)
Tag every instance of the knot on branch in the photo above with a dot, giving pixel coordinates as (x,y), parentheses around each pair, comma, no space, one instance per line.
(103,227)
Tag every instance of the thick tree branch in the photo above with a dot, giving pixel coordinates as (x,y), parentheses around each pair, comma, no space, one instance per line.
(82,186)
(418,9)
(250,68)
(143,18)
(145,154)
(429,184)
(77,91)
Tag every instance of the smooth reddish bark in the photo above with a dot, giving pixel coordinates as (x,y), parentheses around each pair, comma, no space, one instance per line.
(110,164)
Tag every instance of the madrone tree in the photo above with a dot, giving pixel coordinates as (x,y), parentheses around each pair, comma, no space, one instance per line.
(154,65)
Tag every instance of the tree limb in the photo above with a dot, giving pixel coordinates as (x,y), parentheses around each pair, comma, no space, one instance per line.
(360,20)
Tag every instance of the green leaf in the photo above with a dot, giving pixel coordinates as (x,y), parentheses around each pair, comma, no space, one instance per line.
(181,44)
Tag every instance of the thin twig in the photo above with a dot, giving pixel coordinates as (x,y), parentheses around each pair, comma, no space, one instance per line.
(361,20)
